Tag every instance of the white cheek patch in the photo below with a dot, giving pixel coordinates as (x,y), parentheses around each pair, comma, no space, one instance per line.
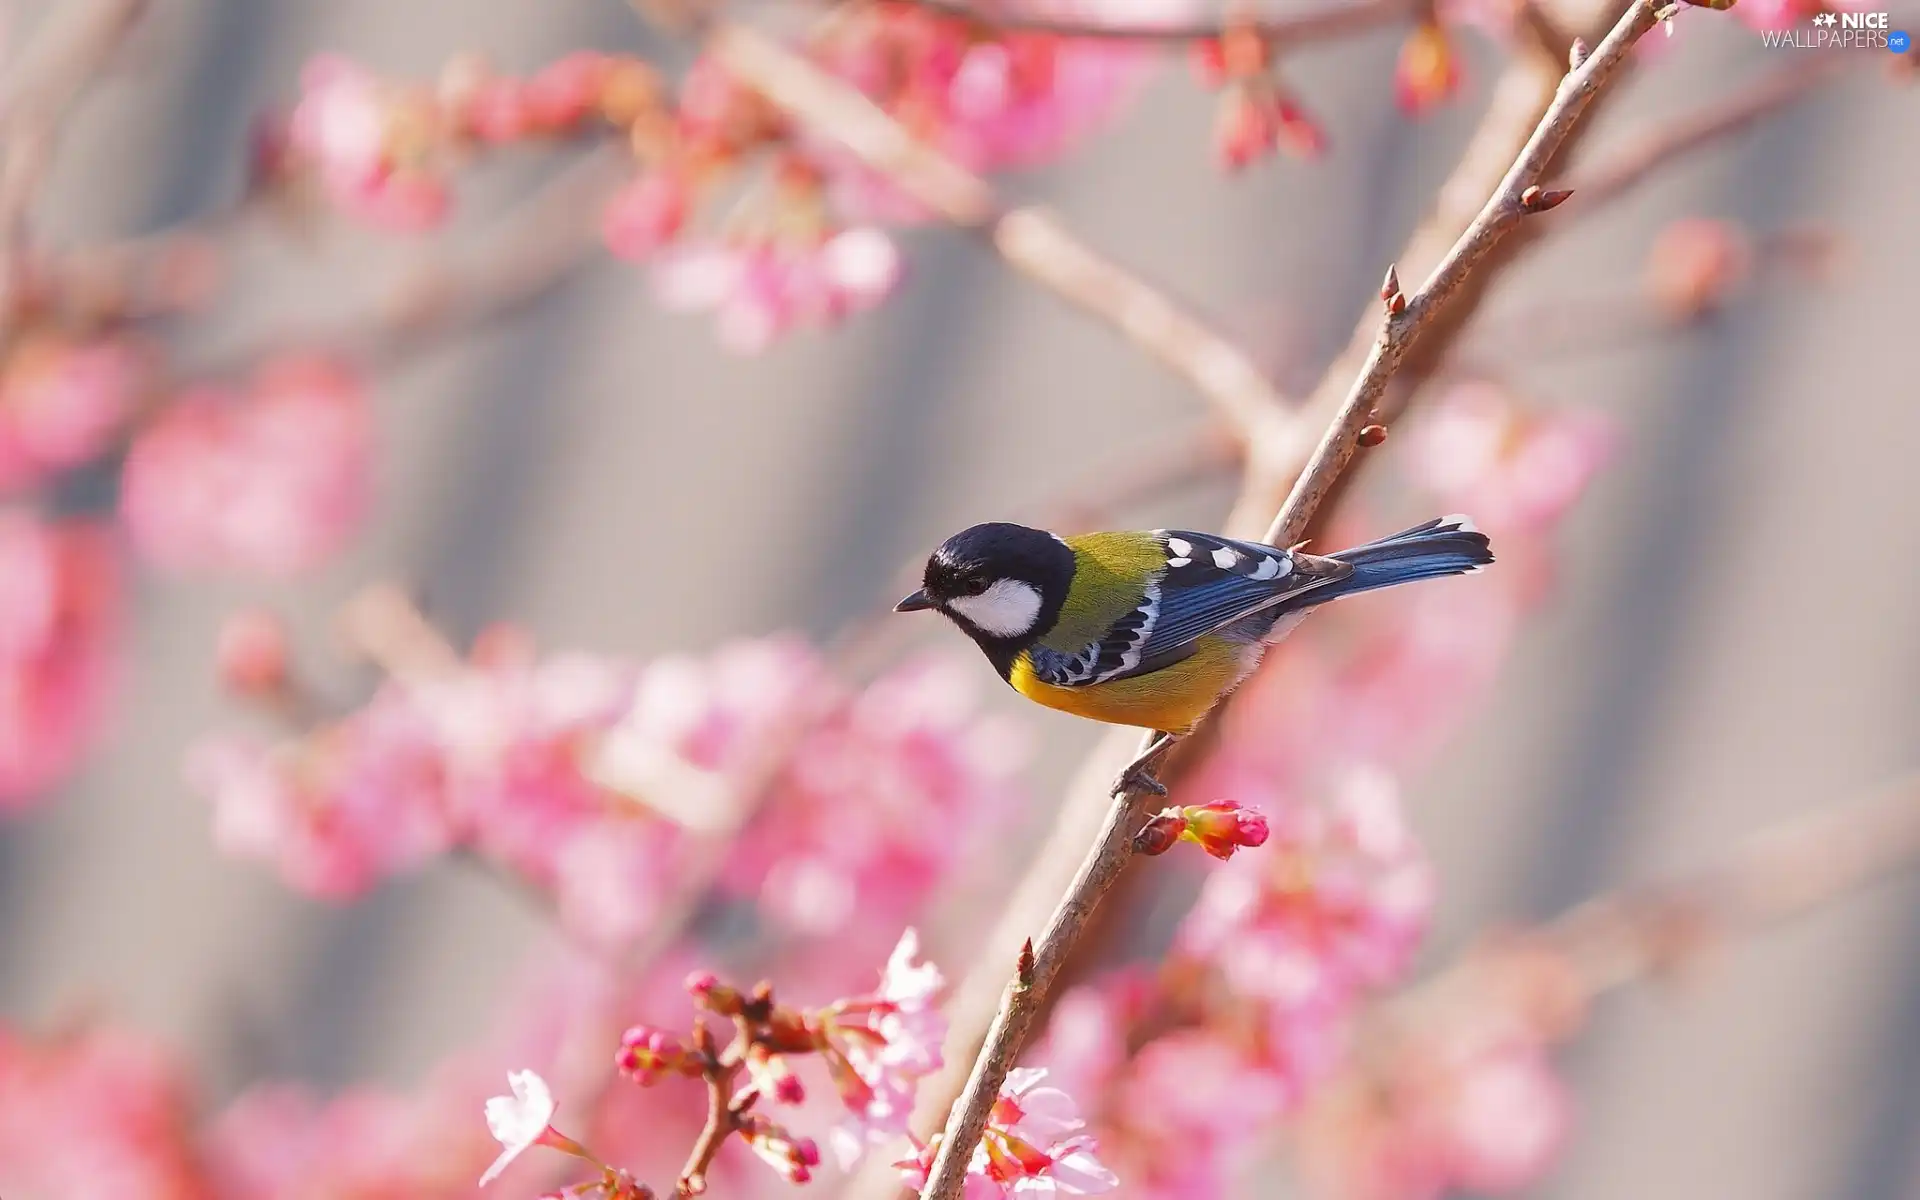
(1007,609)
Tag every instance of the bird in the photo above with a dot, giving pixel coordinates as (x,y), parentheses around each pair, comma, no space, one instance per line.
(1152,628)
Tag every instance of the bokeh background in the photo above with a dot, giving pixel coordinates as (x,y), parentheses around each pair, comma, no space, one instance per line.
(1734,637)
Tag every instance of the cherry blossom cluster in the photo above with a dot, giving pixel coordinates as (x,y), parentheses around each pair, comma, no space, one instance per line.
(586,777)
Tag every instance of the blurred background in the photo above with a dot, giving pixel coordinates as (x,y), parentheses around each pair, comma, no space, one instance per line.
(1732,637)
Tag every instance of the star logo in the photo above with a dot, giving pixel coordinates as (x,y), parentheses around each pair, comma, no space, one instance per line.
(1825,18)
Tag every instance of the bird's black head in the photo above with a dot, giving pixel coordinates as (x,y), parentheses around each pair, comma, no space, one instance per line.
(1001,583)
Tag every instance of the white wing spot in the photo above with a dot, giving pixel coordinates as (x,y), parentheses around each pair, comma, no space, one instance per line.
(1181,548)
(1270,568)
(1224,558)
(1178,562)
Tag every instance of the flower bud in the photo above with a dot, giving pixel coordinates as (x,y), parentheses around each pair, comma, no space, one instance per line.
(647,1053)
(1221,827)
(793,1157)
(1428,70)
(773,1077)
(251,656)
(716,997)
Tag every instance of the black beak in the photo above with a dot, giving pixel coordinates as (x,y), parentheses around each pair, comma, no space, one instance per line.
(917,602)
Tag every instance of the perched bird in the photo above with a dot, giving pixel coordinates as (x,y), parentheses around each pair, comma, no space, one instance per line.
(1153,628)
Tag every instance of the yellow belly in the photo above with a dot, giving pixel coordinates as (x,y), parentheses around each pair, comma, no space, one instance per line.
(1170,699)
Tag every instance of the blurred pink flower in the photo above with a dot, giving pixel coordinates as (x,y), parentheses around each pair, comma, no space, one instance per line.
(370,144)
(761,290)
(251,655)
(1332,908)
(61,401)
(59,617)
(1473,1106)
(273,480)
(280,1142)
(93,1112)
(1516,471)
(997,101)
(1428,71)
(1193,1107)
(645,215)
(336,811)
(887,792)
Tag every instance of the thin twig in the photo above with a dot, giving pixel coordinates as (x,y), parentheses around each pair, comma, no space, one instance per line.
(35,99)
(448,290)
(1773,876)
(1284,29)
(1516,197)
(1648,931)
(1029,239)
(1626,168)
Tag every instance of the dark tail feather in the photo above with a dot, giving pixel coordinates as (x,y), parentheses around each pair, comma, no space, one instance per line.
(1447,546)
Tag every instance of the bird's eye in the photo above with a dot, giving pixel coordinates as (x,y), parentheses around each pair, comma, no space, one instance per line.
(975,587)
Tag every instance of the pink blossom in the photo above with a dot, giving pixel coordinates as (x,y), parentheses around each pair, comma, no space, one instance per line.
(761,290)
(520,1120)
(251,655)
(645,215)
(94,1111)
(879,1045)
(994,102)
(1518,471)
(59,616)
(273,480)
(280,1142)
(370,145)
(1194,1105)
(61,400)
(1471,1106)
(1033,1146)
(884,794)
(335,811)
(1332,908)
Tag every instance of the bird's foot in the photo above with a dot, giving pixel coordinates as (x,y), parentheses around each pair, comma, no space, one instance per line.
(1138,777)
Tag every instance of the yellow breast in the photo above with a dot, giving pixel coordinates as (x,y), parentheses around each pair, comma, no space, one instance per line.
(1170,699)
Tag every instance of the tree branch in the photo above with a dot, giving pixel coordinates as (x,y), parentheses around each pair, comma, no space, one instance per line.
(1319,24)
(1649,930)
(1029,239)
(1516,197)
(1627,168)
(1408,318)
(69,50)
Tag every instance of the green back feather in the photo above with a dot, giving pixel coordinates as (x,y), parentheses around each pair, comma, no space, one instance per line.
(1111,572)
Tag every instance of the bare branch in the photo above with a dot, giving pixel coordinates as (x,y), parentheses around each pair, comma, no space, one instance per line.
(1517,198)
(55,70)
(1775,875)
(1625,169)
(1030,240)
(1647,931)
(1400,326)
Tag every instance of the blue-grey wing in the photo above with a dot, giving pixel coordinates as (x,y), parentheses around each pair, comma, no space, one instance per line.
(1210,582)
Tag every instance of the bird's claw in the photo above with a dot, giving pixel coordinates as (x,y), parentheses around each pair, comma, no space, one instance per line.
(1139,779)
